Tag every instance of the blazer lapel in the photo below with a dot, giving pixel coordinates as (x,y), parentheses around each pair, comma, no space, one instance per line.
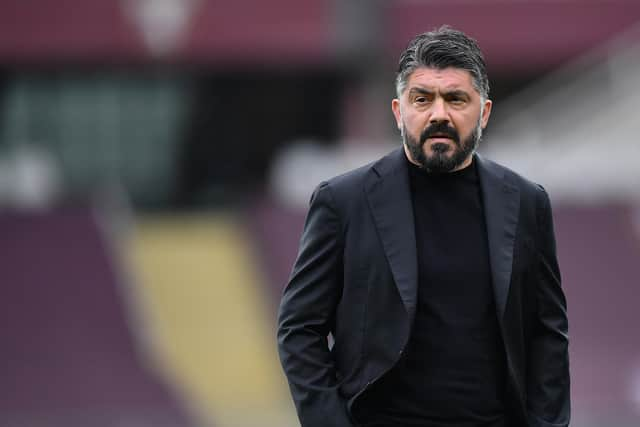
(501,202)
(389,199)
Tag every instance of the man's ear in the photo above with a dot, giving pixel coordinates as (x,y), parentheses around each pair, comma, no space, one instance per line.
(395,107)
(486,112)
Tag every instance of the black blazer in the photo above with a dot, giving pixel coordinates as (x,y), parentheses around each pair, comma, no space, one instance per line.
(356,278)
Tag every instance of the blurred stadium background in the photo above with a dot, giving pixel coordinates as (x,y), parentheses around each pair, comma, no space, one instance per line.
(156,158)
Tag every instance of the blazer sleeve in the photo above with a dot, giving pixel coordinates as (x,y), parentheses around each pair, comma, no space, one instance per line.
(307,313)
(548,399)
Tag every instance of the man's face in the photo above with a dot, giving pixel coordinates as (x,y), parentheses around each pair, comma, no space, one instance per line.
(441,116)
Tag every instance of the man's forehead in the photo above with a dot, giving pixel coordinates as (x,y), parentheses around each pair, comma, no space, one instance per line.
(450,78)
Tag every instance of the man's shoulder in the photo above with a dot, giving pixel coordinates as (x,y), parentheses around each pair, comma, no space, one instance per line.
(353,180)
(517,180)
(348,190)
(350,179)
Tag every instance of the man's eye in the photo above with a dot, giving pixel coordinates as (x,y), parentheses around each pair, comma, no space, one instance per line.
(421,99)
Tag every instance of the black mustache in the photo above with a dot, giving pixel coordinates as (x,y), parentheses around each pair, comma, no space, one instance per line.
(442,129)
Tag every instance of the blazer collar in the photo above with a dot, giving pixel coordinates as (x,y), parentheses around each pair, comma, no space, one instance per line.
(501,201)
(389,197)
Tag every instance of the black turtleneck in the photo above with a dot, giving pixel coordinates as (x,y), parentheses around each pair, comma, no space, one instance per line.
(453,370)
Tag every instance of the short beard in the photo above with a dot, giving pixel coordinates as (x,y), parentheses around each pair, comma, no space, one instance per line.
(440,161)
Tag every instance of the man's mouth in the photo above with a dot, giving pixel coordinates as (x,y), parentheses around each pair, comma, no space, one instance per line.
(439,132)
(439,136)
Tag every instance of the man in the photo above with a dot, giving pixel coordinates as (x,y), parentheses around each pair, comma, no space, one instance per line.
(433,269)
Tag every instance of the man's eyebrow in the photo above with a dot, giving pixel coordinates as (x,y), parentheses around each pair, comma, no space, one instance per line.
(456,92)
(453,92)
(420,91)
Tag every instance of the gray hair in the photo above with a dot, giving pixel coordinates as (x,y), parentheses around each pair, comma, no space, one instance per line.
(442,48)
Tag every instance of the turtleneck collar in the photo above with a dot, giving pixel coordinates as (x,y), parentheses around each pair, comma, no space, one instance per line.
(468,172)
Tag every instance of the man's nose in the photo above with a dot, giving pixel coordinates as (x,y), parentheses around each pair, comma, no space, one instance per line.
(439,111)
